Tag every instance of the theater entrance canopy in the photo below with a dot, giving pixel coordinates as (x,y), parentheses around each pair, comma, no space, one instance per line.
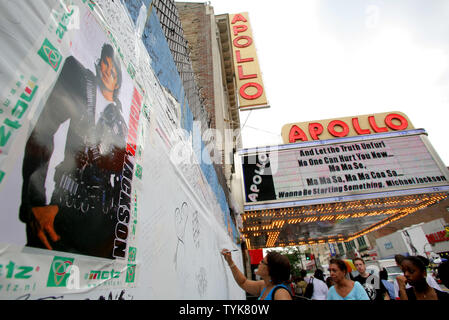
(336,190)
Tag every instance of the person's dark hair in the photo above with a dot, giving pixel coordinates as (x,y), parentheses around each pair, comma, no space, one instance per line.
(424,260)
(383,274)
(399,258)
(354,260)
(303,273)
(418,261)
(278,267)
(443,273)
(319,274)
(329,282)
(107,51)
(340,264)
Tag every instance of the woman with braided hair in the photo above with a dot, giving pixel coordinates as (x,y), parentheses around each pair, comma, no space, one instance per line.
(415,274)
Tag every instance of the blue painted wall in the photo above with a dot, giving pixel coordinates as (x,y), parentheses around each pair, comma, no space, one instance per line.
(165,69)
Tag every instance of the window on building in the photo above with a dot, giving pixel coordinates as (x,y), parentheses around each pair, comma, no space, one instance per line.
(350,246)
(362,243)
(341,250)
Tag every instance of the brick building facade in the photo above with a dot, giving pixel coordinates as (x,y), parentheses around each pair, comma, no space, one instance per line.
(208,43)
(437,211)
(197,31)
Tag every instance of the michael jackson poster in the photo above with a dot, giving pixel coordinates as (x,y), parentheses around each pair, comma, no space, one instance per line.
(70,186)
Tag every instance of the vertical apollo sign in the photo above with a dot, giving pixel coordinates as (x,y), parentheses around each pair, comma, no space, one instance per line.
(250,86)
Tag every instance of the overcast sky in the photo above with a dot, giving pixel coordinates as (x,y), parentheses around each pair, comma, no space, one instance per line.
(324,59)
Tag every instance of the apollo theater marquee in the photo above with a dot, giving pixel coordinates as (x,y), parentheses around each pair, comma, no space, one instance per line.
(338,179)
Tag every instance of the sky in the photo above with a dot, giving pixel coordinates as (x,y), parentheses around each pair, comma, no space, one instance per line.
(323,59)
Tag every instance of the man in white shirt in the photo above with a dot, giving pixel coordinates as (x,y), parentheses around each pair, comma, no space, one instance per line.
(320,288)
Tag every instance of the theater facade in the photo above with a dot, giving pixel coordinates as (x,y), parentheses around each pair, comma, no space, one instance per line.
(336,180)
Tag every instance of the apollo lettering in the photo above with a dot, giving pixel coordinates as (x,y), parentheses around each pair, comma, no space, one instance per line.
(340,129)
(262,163)
(251,90)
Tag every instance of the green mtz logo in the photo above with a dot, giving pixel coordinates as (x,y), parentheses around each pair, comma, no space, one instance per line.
(50,54)
(59,272)
(132,254)
(131,273)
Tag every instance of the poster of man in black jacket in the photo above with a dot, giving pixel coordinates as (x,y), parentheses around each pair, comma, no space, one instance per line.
(81,214)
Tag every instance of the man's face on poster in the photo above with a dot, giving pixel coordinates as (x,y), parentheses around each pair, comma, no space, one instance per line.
(108,75)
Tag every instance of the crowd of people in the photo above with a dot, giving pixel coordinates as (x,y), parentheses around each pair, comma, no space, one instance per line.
(277,284)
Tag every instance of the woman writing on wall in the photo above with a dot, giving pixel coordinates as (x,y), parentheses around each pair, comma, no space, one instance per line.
(274,269)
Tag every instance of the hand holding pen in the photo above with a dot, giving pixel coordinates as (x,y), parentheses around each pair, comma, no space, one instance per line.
(227,255)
